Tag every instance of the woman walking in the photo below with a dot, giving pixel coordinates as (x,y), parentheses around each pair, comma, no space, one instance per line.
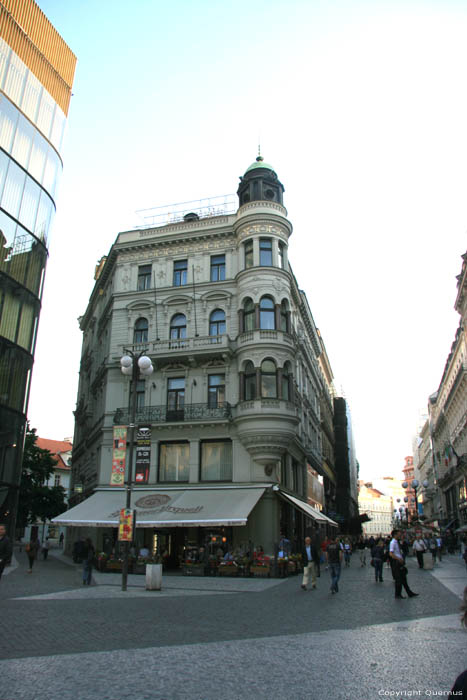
(32,549)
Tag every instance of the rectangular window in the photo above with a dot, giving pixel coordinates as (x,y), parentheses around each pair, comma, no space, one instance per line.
(144,277)
(176,399)
(249,254)
(180,272)
(140,390)
(57,480)
(217,268)
(216,390)
(295,476)
(216,461)
(265,252)
(174,461)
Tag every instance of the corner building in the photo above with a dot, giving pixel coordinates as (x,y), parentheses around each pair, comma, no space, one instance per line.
(36,76)
(233,405)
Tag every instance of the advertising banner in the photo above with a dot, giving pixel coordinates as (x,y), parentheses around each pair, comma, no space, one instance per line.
(143,455)
(117,477)
(126,525)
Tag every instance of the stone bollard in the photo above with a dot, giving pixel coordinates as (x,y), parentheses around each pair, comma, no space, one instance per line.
(153,577)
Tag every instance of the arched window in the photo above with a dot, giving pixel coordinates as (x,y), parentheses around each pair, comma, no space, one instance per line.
(267,314)
(268,379)
(284,316)
(140,334)
(248,315)
(250,381)
(217,322)
(286,379)
(177,330)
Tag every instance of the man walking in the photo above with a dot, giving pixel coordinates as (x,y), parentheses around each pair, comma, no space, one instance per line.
(419,548)
(334,558)
(310,559)
(399,570)
(6,550)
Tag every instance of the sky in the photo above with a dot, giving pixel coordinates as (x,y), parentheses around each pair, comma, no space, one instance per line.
(361,108)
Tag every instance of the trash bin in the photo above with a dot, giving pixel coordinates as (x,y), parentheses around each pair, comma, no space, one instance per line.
(153,577)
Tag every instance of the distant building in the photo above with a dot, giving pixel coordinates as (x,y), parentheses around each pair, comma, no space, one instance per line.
(36,76)
(62,453)
(378,507)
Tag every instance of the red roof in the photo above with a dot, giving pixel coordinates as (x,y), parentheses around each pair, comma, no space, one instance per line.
(57,448)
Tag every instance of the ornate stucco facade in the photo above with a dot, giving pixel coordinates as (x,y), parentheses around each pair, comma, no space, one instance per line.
(240,373)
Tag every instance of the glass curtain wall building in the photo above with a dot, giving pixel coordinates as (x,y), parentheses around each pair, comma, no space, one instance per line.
(36,76)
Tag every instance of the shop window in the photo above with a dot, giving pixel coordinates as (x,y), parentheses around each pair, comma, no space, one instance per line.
(140,334)
(180,273)
(216,461)
(174,461)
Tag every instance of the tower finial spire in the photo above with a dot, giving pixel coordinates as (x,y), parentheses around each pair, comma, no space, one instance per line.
(259,157)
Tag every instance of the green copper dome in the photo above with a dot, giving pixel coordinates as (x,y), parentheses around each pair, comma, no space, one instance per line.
(259,163)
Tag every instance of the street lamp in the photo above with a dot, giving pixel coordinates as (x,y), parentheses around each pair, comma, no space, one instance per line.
(132,365)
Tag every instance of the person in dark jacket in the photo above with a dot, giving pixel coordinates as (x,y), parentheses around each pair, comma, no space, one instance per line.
(310,560)
(88,558)
(6,549)
(377,557)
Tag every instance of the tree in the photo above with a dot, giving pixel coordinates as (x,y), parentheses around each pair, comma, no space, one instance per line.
(37,501)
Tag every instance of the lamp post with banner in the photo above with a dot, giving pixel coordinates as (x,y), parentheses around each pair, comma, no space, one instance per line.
(132,365)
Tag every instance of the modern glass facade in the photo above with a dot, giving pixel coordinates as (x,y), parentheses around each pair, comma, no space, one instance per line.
(32,123)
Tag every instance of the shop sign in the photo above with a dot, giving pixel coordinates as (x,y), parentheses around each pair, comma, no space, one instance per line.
(143,455)
(117,477)
(126,525)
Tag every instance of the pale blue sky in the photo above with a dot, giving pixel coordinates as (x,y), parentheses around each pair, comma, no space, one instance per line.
(361,108)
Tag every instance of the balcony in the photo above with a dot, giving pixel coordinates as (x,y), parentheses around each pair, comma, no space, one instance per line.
(208,345)
(265,336)
(194,412)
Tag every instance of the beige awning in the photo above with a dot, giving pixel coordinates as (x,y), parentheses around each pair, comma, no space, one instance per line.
(308,510)
(196,507)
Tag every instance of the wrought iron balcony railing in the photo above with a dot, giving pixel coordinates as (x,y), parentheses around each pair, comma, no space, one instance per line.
(164,414)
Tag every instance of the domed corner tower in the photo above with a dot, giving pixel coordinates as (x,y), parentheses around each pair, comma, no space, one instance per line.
(260,183)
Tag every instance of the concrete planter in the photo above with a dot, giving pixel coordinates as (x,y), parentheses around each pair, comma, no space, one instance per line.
(153,577)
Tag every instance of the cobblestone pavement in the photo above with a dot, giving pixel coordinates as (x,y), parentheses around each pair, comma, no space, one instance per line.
(214,638)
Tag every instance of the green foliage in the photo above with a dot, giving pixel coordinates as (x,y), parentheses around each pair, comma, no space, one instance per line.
(37,501)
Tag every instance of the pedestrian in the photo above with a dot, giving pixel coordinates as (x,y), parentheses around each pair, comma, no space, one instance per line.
(310,559)
(45,548)
(362,549)
(399,570)
(439,547)
(334,559)
(6,549)
(419,548)
(60,539)
(88,558)
(347,551)
(32,549)
(377,557)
